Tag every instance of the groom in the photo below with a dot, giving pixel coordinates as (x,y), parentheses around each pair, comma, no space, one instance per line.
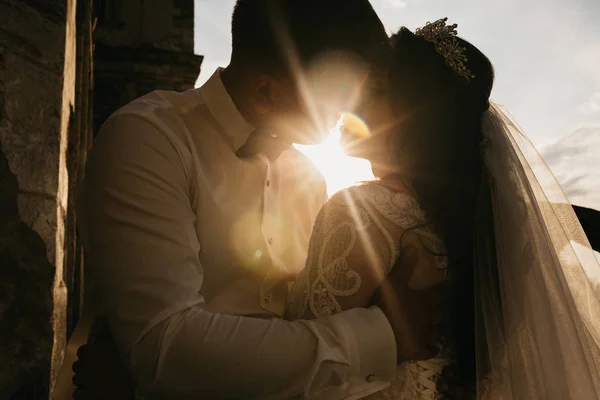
(195,212)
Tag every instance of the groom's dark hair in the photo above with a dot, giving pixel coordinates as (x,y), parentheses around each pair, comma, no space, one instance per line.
(269,34)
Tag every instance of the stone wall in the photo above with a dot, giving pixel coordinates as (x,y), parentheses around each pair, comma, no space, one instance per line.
(162,24)
(123,74)
(38,49)
(141,46)
(26,278)
(48,71)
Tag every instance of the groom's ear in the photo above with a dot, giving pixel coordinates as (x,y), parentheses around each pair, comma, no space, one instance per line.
(264,94)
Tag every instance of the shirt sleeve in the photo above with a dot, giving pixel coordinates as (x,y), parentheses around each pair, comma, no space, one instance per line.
(138,229)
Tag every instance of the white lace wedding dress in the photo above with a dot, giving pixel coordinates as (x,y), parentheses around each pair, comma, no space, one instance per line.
(355,242)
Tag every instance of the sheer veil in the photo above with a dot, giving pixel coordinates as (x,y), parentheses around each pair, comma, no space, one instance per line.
(537,281)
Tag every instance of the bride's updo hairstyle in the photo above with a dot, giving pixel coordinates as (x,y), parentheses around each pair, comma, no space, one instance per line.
(438,145)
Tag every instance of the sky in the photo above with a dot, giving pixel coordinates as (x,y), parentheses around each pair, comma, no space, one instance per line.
(546,54)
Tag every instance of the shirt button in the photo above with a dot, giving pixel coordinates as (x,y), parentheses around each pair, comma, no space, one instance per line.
(268,183)
(270,240)
(267,298)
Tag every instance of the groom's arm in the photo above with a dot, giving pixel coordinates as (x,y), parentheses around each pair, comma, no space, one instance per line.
(142,249)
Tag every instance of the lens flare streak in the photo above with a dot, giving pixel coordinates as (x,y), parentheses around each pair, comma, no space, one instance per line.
(339,170)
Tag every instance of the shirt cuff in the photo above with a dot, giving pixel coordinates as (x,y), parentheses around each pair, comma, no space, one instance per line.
(371,343)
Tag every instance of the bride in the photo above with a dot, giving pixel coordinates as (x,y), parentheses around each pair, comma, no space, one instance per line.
(464,188)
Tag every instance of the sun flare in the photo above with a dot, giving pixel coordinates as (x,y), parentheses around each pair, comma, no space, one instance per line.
(339,170)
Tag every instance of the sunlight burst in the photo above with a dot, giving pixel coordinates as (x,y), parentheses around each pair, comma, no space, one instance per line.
(339,170)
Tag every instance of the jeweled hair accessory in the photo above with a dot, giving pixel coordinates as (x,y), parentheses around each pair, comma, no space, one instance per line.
(444,39)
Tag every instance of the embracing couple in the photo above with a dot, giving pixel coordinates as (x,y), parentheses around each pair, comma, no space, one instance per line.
(225,272)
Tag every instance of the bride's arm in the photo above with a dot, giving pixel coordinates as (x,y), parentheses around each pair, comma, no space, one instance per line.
(352,249)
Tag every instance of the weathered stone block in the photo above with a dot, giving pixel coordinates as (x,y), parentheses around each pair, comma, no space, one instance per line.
(32,38)
(26,306)
(148,46)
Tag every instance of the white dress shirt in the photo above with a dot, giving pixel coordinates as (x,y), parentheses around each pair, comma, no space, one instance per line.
(190,249)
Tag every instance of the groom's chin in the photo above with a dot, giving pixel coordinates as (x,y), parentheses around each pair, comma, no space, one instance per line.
(310,134)
(299,132)
(309,138)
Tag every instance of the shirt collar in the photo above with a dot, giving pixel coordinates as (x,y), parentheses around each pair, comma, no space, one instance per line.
(234,126)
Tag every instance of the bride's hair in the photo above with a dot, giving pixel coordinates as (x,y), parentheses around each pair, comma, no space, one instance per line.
(438,143)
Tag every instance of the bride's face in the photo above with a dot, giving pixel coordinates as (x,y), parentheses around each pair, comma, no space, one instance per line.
(368,129)
(338,82)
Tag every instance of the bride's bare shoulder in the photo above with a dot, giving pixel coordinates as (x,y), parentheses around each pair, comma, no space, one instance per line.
(395,200)
(365,190)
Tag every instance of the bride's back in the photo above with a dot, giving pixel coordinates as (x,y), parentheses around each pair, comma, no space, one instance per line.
(356,240)
(440,87)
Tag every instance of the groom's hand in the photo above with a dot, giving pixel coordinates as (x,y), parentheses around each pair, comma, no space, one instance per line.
(414,315)
(100,373)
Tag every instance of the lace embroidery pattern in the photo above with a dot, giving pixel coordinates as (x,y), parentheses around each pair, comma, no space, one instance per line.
(415,381)
(404,211)
(344,218)
(327,274)
(341,222)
